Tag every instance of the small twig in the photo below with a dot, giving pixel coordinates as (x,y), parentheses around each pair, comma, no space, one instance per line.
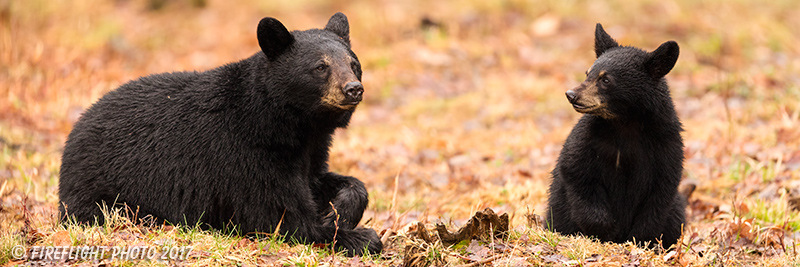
(385,236)
(794,249)
(783,234)
(461,257)
(278,227)
(394,194)
(336,228)
(136,215)
(393,210)
(394,201)
(3,188)
(31,234)
(483,261)
(679,250)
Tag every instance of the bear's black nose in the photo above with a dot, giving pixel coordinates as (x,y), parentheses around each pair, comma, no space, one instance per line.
(571,96)
(353,91)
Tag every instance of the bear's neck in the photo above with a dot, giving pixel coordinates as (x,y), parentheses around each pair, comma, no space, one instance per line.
(261,109)
(662,123)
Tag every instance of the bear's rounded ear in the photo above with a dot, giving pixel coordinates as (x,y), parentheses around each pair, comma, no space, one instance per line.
(338,24)
(273,37)
(602,41)
(661,61)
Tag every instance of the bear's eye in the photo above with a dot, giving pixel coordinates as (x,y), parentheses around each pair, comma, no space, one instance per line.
(605,80)
(321,67)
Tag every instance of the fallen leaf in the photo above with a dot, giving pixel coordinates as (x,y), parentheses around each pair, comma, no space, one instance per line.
(687,259)
(61,238)
(356,262)
(477,251)
(555,258)
(245,243)
(594,258)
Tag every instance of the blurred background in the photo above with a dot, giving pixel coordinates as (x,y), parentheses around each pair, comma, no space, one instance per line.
(464,105)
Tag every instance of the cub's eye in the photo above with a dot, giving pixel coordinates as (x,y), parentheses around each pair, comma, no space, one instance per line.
(353,65)
(321,67)
(606,81)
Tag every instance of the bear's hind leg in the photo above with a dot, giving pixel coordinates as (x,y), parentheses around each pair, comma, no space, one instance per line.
(83,210)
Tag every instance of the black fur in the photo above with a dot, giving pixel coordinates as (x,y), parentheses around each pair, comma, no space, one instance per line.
(244,145)
(618,173)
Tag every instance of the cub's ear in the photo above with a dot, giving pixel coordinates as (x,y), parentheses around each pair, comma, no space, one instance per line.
(602,41)
(661,61)
(338,24)
(273,37)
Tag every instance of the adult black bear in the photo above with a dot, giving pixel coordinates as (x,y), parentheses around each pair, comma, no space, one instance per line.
(245,144)
(617,176)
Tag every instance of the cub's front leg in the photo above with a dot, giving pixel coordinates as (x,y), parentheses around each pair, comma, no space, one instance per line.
(589,210)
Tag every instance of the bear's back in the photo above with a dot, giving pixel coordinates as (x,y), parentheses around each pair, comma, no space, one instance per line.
(162,132)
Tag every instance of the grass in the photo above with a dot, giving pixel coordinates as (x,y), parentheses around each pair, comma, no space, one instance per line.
(775,213)
(468,113)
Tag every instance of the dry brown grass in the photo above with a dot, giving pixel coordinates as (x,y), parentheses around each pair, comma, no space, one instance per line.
(468,110)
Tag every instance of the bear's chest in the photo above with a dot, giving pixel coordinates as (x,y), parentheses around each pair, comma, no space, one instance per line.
(623,167)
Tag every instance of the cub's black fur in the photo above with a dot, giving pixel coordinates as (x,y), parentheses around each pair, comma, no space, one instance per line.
(244,145)
(617,176)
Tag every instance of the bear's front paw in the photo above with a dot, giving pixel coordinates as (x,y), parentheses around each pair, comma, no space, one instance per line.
(597,224)
(366,240)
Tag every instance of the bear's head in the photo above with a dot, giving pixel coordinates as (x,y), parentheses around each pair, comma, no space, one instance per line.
(315,68)
(624,81)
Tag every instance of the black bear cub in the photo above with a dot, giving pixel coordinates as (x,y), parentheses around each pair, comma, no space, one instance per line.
(243,145)
(617,176)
